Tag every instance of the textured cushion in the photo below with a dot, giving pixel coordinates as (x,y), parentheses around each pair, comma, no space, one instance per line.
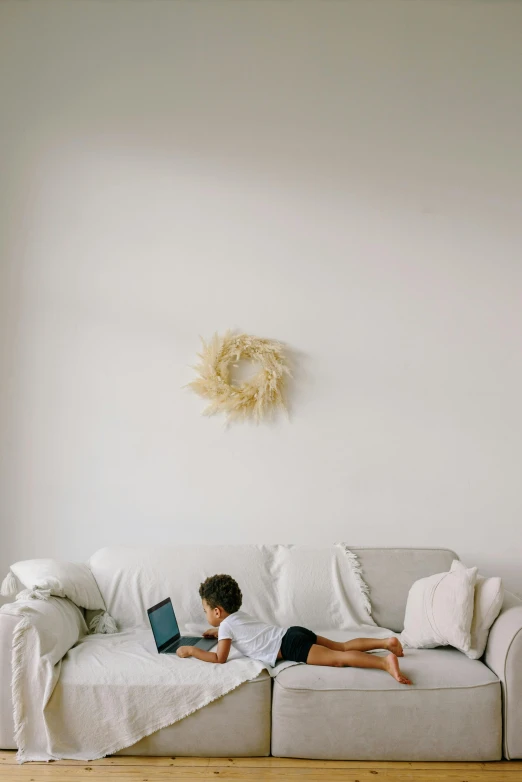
(489,596)
(389,574)
(63,579)
(451,712)
(440,609)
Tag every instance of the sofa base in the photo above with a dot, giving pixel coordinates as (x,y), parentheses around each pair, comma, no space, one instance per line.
(452,713)
(236,725)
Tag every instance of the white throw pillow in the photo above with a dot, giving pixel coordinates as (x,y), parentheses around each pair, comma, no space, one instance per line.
(439,610)
(61,579)
(489,596)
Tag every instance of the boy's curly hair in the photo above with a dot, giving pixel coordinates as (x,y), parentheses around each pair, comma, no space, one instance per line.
(221,591)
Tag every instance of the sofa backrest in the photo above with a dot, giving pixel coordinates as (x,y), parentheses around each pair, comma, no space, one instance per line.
(301,585)
(134,579)
(390,573)
(286,585)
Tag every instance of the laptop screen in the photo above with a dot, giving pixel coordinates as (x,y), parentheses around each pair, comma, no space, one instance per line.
(163,623)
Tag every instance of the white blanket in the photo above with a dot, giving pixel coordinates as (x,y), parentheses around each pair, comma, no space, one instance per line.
(112,690)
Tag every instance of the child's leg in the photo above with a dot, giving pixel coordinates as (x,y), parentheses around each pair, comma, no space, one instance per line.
(363,645)
(321,655)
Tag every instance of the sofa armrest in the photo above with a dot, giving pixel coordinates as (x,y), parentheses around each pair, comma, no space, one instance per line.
(7,626)
(56,625)
(504,657)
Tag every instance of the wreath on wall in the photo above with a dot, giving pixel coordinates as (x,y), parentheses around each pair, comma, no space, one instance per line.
(255,398)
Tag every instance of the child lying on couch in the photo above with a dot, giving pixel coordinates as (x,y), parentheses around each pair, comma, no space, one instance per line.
(221,598)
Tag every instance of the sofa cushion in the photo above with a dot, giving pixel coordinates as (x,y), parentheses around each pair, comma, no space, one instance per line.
(390,573)
(451,712)
(237,725)
(63,579)
(134,691)
(440,609)
(488,599)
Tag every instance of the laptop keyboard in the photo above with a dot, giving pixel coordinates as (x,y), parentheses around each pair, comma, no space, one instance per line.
(188,640)
(185,641)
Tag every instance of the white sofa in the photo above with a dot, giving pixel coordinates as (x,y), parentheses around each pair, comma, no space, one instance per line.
(457,709)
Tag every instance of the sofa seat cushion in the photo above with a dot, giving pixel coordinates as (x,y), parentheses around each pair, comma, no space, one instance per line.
(236,725)
(440,668)
(451,712)
(136,692)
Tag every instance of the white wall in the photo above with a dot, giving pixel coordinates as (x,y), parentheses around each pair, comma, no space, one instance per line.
(343,176)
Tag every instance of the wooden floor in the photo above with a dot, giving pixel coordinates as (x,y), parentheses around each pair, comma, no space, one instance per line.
(135,769)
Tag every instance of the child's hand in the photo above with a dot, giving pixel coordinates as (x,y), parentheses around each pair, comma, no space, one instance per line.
(213,633)
(184,651)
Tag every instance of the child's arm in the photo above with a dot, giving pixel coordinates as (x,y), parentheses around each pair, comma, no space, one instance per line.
(220,656)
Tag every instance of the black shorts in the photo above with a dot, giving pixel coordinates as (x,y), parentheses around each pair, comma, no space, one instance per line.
(296,643)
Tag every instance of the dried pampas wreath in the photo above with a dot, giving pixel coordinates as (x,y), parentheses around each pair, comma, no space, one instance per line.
(255,398)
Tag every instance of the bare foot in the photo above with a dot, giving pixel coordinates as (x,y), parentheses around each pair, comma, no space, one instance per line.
(392,666)
(395,646)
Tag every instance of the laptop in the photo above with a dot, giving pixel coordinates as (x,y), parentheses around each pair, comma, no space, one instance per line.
(166,631)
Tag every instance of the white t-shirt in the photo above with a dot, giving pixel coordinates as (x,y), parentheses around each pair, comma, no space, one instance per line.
(251,637)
